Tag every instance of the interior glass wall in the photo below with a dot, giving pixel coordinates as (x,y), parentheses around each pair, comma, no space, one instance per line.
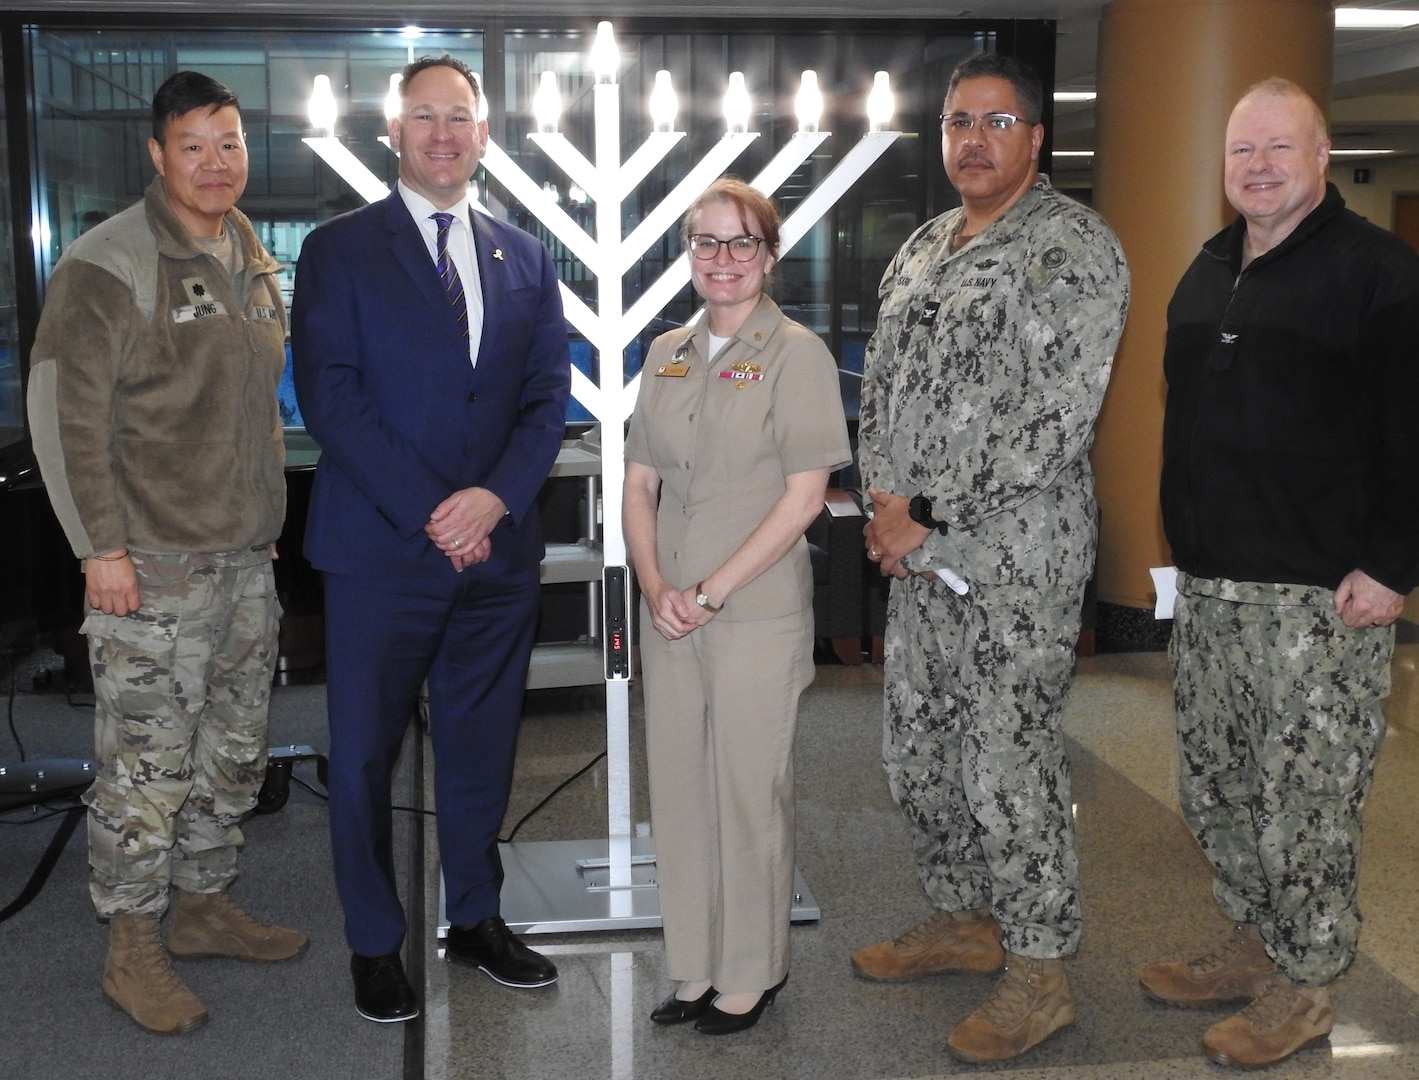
(91,87)
(12,409)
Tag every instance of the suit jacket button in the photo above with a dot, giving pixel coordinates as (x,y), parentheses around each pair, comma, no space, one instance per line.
(472,398)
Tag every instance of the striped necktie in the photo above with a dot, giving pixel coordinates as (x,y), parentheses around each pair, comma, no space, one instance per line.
(448,273)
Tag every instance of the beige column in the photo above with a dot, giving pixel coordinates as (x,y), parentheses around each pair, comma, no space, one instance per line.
(1169,72)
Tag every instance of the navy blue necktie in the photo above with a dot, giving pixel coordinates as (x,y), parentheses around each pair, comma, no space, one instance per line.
(448,273)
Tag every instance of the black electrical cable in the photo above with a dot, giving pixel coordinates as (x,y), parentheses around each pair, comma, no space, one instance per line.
(552,795)
(10,696)
(72,817)
(33,816)
(502,839)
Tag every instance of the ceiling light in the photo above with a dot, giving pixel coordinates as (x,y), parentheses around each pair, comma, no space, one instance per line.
(1072,153)
(1075,95)
(1349,18)
(1359,153)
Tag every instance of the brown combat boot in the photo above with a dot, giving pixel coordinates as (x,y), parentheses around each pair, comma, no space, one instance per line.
(1234,971)
(1030,1002)
(948,941)
(210,924)
(1284,1018)
(138,978)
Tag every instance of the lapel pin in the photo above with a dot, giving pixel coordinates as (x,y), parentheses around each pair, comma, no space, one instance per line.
(498,254)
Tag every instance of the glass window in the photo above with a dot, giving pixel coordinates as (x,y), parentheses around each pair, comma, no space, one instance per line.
(828,281)
(12,405)
(93,88)
(93,93)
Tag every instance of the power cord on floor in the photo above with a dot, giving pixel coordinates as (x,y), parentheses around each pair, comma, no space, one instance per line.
(271,805)
(552,795)
(10,695)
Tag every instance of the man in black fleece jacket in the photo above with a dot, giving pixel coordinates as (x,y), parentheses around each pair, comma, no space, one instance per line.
(1290,496)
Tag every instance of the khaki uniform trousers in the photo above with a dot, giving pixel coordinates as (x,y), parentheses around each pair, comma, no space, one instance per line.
(721,712)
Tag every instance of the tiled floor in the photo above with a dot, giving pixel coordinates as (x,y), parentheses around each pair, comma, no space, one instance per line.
(1146,897)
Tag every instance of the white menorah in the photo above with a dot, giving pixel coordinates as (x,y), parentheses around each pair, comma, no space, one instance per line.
(553,883)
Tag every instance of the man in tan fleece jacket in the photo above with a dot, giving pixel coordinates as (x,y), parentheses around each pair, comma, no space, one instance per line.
(152,403)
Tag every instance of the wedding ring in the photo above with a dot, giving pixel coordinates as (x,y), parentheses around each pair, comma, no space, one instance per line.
(457,542)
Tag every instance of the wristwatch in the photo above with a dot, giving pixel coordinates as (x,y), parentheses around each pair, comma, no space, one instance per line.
(919,510)
(702,598)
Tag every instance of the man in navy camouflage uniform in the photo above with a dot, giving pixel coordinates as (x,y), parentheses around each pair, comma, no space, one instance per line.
(997,332)
(1291,500)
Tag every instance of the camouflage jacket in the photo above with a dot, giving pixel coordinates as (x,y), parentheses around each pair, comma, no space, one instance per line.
(982,383)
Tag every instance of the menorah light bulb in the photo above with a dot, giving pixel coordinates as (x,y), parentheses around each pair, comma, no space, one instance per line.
(322,105)
(881,103)
(736,103)
(605,57)
(547,104)
(663,103)
(808,105)
(393,103)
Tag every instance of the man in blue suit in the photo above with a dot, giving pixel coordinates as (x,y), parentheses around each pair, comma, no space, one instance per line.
(432,368)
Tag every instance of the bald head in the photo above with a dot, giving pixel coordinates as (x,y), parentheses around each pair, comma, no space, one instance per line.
(1277,87)
(1276,156)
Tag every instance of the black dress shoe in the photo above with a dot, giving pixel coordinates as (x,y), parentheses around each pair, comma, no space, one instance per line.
(715,1022)
(382,990)
(492,948)
(675,1010)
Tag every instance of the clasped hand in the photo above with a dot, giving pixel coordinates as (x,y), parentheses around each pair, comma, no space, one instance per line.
(674,613)
(462,524)
(891,533)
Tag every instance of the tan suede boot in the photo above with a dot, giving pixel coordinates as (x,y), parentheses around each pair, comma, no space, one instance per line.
(138,978)
(1234,971)
(1284,1018)
(211,924)
(948,941)
(1030,1002)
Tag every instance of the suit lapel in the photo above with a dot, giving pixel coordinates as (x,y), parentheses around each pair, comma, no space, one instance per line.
(493,278)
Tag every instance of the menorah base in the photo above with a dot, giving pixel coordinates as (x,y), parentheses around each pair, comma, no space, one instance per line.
(563,887)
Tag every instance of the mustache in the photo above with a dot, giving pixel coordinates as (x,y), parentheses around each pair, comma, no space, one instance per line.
(973,157)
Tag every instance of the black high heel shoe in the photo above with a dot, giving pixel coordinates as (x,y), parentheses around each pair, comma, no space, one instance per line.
(675,1010)
(715,1022)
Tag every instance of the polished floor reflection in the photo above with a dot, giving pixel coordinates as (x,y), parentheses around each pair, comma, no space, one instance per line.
(1146,896)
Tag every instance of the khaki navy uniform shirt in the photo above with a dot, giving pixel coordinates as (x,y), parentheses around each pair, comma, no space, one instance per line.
(723,434)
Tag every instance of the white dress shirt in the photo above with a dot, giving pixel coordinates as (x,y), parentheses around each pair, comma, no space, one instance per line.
(460,250)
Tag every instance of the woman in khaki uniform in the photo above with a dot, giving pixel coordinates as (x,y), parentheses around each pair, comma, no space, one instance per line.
(738,424)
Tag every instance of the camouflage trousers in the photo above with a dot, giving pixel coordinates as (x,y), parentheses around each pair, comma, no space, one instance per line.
(1279,715)
(181,691)
(974,687)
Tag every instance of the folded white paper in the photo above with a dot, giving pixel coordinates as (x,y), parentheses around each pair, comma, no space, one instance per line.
(1165,584)
(958,584)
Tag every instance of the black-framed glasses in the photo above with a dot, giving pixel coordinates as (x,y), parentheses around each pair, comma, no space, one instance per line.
(741,248)
(991,123)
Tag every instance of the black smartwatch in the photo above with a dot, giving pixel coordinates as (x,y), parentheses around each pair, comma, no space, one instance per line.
(919,510)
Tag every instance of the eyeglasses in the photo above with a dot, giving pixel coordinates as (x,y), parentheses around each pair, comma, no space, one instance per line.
(991,123)
(741,248)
